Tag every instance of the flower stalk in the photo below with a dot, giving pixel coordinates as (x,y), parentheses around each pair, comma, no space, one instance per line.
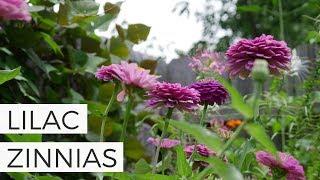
(111,101)
(126,118)
(164,131)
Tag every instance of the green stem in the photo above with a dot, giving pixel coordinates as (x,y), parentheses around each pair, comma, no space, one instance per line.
(203,115)
(126,119)
(283,137)
(111,101)
(104,121)
(231,140)
(281,20)
(164,131)
(257,94)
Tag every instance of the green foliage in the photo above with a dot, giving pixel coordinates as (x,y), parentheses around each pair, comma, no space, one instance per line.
(6,75)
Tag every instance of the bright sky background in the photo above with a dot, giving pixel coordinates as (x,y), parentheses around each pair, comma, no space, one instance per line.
(169,31)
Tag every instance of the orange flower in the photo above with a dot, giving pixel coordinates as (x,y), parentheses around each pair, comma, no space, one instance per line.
(233,123)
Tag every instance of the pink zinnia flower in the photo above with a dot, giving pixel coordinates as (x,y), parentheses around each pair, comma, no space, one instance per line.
(201,149)
(287,163)
(173,96)
(211,92)
(242,55)
(129,74)
(14,10)
(208,61)
(165,143)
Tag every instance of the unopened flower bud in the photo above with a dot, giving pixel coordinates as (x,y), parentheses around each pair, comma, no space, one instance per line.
(260,71)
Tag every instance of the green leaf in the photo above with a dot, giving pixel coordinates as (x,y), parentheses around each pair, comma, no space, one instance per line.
(183,167)
(249,8)
(20,175)
(224,171)
(110,8)
(47,178)
(142,167)
(54,46)
(118,48)
(25,137)
(102,22)
(259,133)
(138,32)
(47,68)
(36,8)
(131,176)
(6,75)
(84,7)
(204,173)
(237,101)
(201,134)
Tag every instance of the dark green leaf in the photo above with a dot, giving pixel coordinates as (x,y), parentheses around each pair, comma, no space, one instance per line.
(118,48)
(249,8)
(138,32)
(54,46)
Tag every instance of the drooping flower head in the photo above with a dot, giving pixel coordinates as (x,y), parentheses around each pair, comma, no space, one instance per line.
(201,149)
(208,61)
(166,143)
(128,74)
(241,56)
(173,95)
(14,10)
(286,163)
(211,92)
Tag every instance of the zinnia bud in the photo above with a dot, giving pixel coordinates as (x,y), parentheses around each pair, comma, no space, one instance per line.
(260,71)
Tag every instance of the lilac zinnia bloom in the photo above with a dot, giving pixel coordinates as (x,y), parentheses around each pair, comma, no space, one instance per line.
(287,163)
(127,73)
(201,149)
(14,10)
(165,143)
(173,95)
(208,61)
(211,92)
(241,56)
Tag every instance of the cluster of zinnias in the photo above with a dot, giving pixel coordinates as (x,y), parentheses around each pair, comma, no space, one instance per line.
(211,92)
(241,56)
(286,163)
(14,10)
(165,143)
(208,61)
(173,95)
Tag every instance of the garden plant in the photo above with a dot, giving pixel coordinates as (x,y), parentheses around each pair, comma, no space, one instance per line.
(204,130)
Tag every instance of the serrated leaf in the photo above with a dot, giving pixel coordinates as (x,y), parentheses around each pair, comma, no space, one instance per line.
(6,75)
